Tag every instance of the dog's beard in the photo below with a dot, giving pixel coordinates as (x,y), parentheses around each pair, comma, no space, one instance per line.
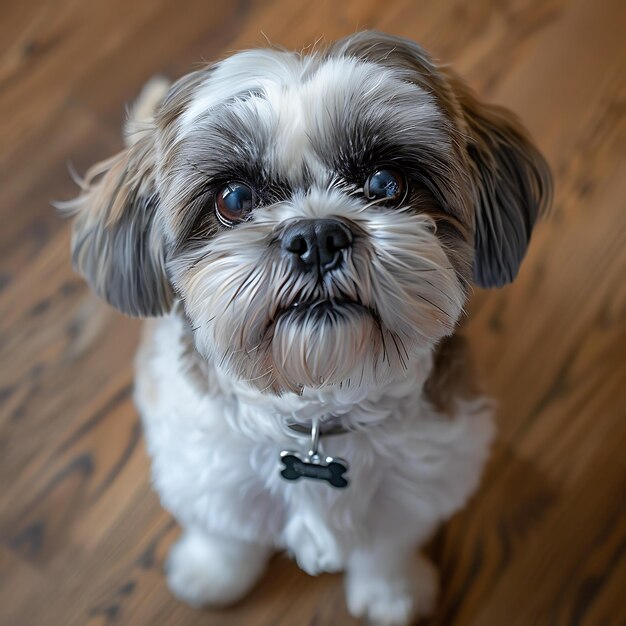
(395,295)
(326,343)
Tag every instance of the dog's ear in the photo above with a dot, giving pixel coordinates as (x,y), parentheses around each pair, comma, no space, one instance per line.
(512,182)
(117,244)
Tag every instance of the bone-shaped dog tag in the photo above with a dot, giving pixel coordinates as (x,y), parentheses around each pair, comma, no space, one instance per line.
(313,466)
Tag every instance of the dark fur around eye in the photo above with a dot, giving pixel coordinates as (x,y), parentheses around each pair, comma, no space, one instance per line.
(359,149)
(199,220)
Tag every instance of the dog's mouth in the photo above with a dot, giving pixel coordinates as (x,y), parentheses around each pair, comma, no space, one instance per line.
(324,309)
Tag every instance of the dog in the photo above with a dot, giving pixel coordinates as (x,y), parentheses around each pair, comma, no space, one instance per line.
(305,231)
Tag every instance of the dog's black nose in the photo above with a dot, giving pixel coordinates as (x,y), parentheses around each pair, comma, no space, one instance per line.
(316,243)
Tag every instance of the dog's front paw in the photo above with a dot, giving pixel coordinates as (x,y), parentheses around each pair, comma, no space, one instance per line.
(393,600)
(204,571)
(314,547)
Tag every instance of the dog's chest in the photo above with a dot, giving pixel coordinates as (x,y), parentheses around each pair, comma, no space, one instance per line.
(217,461)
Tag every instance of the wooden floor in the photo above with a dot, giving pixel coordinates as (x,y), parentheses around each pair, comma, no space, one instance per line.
(82,535)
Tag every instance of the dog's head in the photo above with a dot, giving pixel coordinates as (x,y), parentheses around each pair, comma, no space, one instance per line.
(320,217)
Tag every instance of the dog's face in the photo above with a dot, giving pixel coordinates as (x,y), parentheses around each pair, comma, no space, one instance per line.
(319,217)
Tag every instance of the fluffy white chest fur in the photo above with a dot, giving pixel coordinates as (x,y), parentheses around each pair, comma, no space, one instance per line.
(215,455)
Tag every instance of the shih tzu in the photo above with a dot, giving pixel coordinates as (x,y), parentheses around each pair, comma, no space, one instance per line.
(306,228)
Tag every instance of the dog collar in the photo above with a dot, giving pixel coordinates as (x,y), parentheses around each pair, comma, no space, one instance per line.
(327,428)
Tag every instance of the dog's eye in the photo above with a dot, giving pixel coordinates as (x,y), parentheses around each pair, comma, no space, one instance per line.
(386,184)
(233,203)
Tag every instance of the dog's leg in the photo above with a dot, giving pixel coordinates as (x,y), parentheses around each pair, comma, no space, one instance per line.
(389,584)
(205,570)
(314,545)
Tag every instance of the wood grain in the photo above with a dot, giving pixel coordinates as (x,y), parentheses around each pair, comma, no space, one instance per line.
(83,536)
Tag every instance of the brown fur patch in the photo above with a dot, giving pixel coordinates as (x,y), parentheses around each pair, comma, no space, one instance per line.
(453,376)
(512,183)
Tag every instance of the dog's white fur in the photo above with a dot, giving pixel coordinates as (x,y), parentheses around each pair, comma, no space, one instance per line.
(215,466)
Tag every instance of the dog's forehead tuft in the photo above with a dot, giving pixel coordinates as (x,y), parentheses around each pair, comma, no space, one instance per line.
(242,73)
(302,100)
